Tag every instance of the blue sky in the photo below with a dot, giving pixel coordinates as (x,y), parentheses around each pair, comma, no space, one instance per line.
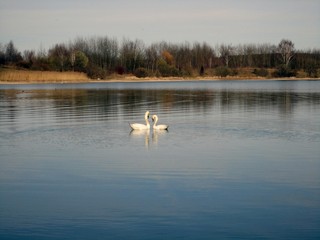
(32,24)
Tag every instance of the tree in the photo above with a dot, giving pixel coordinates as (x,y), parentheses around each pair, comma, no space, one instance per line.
(225,53)
(152,57)
(286,51)
(311,69)
(183,57)
(167,56)
(81,61)
(72,58)
(59,56)
(27,60)
(141,72)
(12,55)
(201,72)
(167,70)
(2,55)
(202,55)
(132,54)
(41,60)
(107,50)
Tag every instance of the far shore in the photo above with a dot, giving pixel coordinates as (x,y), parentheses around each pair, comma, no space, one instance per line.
(42,77)
(167,79)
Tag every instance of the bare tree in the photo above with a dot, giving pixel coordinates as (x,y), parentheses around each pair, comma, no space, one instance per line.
(132,54)
(103,55)
(184,56)
(2,54)
(286,50)
(59,54)
(12,55)
(29,55)
(225,53)
(72,58)
(108,51)
(202,55)
(152,57)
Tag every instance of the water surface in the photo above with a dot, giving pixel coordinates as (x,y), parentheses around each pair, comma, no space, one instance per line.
(240,160)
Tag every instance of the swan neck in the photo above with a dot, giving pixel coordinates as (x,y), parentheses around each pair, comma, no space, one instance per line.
(155,121)
(147,122)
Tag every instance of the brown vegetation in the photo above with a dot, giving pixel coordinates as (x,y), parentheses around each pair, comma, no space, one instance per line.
(10,75)
(15,76)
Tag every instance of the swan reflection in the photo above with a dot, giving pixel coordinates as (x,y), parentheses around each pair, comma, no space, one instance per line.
(156,133)
(141,134)
(145,135)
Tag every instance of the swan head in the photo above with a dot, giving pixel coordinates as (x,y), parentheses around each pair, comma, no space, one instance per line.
(154,118)
(147,114)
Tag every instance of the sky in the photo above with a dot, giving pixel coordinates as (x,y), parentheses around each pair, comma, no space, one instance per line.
(40,24)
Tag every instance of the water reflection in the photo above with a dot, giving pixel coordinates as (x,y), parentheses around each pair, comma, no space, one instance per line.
(148,137)
(110,103)
(241,160)
(57,108)
(211,105)
(141,135)
(156,135)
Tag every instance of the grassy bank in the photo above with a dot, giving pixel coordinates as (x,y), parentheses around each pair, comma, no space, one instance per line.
(28,76)
(15,76)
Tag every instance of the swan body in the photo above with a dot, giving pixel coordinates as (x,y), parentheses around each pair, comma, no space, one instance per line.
(158,127)
(139,126)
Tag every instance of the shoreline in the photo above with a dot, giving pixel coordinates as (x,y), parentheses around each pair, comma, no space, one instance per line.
(154,80)
(16,77)
(133,80)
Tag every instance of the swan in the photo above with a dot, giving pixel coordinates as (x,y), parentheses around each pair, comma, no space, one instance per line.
(139,126)
(158,127)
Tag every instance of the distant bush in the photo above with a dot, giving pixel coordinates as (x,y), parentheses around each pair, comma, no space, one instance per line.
(95,72)
(201,72)
(41,65)
(24,64)
(311,69)
(141,73)
(81,61)
(187,72)
(223,71)
(261,72)
(167,70)
(174,71)
(284,71)
(120,70)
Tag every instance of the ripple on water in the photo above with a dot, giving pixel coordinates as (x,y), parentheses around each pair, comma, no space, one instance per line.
(236,152)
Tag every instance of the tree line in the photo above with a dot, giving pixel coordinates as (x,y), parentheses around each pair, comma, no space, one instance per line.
(102,56)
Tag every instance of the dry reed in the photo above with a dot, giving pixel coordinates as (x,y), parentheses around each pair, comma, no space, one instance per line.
(12,75)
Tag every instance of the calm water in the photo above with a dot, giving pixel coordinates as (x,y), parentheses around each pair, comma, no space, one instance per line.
(241,160)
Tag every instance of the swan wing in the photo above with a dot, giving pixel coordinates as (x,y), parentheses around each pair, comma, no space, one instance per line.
(161,127)
(139,126)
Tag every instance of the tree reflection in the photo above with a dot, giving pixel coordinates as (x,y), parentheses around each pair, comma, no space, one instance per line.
(106,104)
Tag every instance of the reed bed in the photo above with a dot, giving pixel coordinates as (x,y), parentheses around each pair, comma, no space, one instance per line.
(15,76)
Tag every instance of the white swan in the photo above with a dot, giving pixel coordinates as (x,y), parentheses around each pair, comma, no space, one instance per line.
(158,127)
(139,126)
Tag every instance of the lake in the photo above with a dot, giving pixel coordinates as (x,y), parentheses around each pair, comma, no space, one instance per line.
(241,160)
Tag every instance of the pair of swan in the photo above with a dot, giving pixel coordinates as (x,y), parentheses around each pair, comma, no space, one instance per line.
(139,126)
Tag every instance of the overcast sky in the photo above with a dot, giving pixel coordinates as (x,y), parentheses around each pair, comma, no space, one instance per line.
(32,24)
